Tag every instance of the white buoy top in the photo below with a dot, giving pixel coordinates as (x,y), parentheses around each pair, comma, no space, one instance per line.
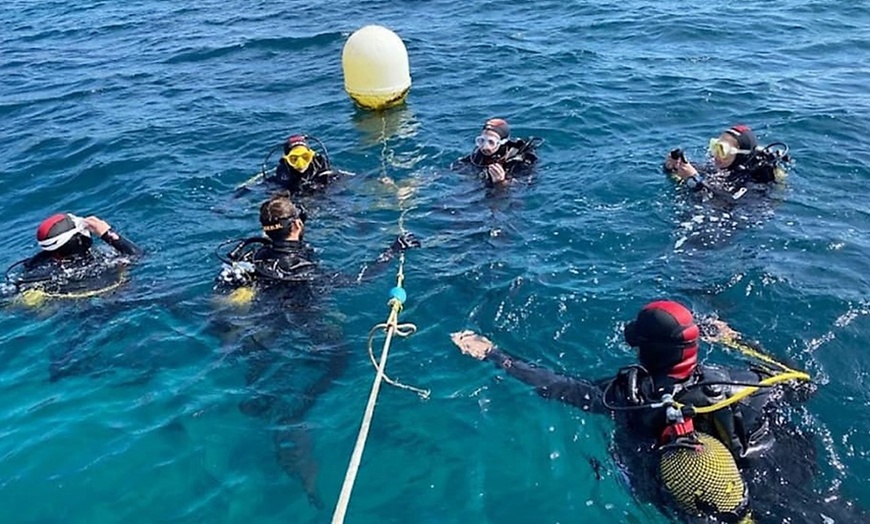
(376,67)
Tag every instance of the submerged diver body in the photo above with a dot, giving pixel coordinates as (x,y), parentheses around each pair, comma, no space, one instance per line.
(498,158)
(69,267)
(68,263)
(280,272)
(741,173)
(649,402)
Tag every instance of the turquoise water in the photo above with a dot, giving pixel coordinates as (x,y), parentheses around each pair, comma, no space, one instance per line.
(149,113)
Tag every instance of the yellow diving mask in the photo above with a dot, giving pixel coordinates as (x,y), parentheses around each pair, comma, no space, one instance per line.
(721,149)
(299,158)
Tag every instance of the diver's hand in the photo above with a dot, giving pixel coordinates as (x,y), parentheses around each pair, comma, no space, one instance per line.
(496,173)
(684,169)
(721,332)
(404,242)
(472,344)
(97,225)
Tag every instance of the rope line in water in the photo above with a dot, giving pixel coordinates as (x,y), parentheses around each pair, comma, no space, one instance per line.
(392,328)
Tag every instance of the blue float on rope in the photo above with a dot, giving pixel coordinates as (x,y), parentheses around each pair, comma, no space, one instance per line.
(399,294)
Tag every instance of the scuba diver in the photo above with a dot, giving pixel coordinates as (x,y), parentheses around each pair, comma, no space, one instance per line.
(279,272)
(741,172)
(282,256)
(497,157)
(300,170)
(68,265)
(709,441)
(739,164)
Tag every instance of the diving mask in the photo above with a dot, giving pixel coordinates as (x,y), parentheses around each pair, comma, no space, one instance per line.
(721,149)
(299,158)
(488,142)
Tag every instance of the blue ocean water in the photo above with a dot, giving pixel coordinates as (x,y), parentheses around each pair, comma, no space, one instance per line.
(149,113)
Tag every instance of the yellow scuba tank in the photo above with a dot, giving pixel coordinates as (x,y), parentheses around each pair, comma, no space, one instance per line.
(703,478)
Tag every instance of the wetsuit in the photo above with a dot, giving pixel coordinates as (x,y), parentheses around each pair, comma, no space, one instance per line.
(318,175)
(742,429)
(73,275)
(777,459)
(723,202)
(287,380)
(730,185)
(46,265)
(516,156)
(45,259)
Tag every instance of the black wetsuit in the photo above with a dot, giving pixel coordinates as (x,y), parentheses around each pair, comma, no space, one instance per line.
(52,273)
(732,184)
(45,259)
(778,460)
(516,156)
(287,380)
(73,275)
(722,202)
(742,429)
(316,178)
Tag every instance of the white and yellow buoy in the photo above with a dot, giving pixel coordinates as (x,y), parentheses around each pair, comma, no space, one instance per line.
(377,74)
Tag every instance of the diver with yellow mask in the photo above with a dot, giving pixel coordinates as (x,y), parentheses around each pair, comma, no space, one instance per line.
(739,165)
(301,169)
(703,442)
(68,266)
(293,342)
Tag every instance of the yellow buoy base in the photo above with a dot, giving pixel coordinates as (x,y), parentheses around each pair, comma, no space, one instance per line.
(378,102)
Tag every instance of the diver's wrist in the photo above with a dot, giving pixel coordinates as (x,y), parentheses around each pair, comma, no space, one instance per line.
(498,357)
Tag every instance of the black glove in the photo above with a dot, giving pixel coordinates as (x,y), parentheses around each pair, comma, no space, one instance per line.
(404,242)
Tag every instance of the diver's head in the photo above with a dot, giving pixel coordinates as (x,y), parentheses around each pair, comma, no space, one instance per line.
(733,147)
(297,154)
(281,219)
(495,132)
(64,235)
(666,337)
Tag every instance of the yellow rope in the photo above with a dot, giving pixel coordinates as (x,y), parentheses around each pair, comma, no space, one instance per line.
(749,390)
(35,297)
(88,294)
(748,350)
(786,375)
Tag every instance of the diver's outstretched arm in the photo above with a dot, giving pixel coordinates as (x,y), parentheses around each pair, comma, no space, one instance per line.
(549,384)
(375,268)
